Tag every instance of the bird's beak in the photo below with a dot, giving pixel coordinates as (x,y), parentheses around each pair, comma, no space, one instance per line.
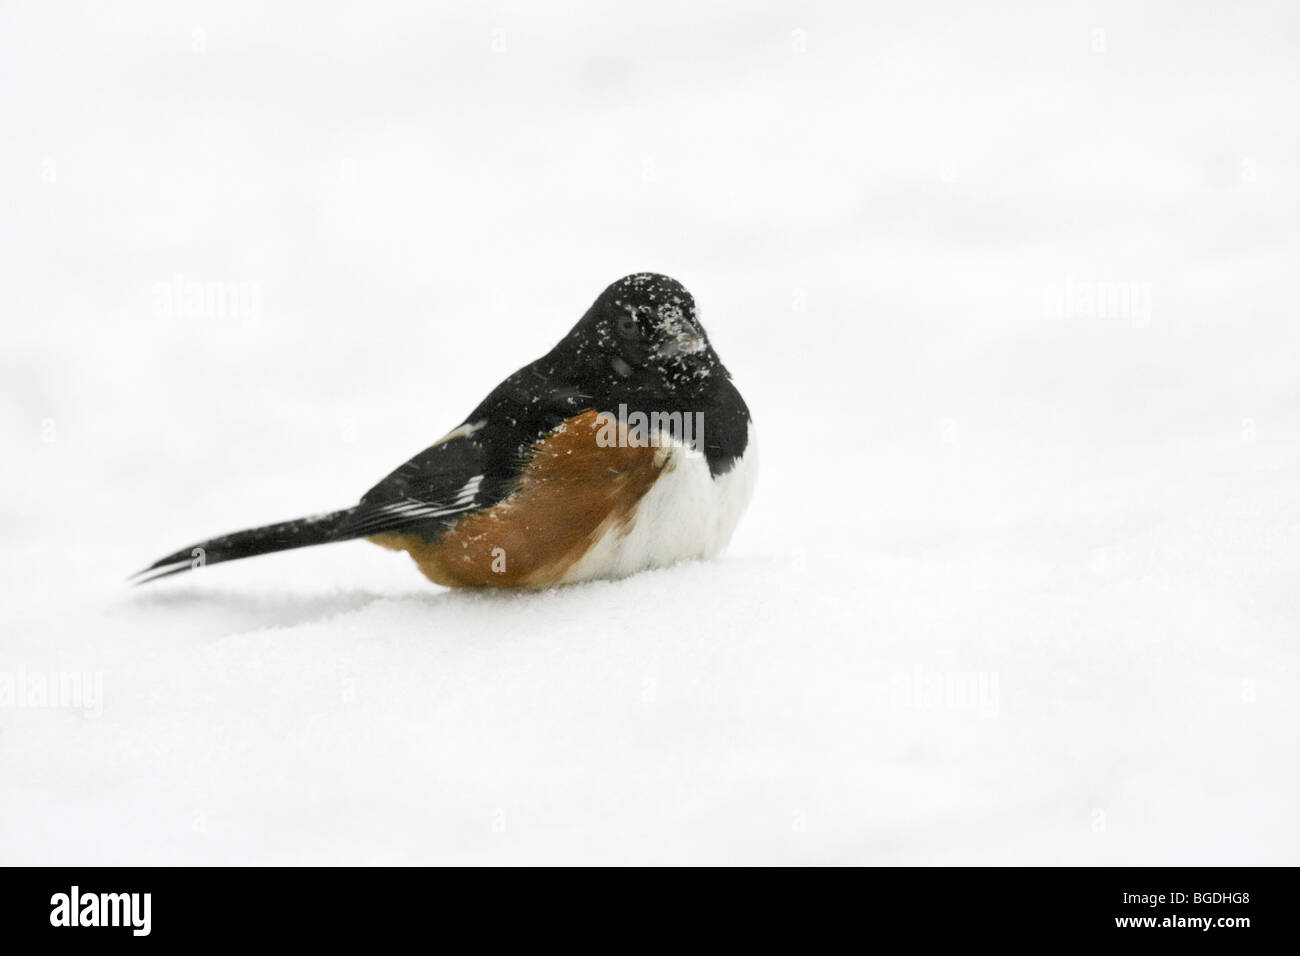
(684,343)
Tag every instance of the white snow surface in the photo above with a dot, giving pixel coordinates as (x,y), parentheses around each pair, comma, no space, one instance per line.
(1019,580)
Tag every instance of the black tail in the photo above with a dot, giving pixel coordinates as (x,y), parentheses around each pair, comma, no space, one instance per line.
(320,529)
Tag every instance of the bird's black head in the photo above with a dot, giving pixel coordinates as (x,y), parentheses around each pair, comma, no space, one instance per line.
(647,323)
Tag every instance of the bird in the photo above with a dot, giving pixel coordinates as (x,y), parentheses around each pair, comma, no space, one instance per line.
(626,447)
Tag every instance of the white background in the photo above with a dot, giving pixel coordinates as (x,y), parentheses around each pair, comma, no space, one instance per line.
(1011,294)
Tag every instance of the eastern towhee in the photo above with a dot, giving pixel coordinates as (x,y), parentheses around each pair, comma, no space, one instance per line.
(626,447)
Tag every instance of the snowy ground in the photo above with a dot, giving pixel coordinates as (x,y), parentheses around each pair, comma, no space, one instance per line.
(1012,298)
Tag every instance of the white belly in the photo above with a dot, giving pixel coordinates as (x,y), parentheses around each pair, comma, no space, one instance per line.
(687,514)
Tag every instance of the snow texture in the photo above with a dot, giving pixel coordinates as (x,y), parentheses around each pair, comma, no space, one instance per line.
(1012,297)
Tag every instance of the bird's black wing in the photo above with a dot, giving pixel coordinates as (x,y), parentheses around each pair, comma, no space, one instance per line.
(427,493)
(474,466)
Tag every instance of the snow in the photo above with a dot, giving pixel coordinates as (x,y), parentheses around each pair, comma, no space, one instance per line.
(1011,296)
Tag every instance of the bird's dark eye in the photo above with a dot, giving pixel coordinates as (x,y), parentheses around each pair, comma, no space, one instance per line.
(627,326)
